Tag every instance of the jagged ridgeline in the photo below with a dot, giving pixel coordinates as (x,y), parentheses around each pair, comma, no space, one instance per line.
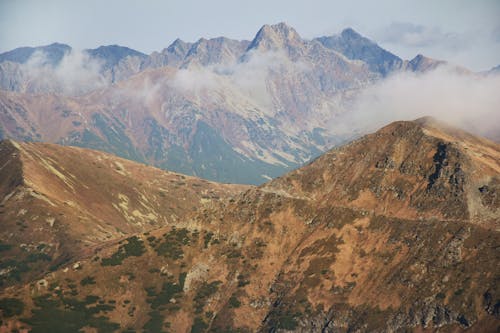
(221,109)
(396,231)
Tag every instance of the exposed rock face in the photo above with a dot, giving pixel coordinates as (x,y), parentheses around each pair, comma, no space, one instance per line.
(392,232)
(210,108)
(423,64)
(356,47)
(277,37)
(418,173)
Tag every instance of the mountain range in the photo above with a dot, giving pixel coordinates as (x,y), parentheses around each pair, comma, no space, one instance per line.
(221,109)
(397,231)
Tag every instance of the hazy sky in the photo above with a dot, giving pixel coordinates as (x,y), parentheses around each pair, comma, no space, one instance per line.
(465,32)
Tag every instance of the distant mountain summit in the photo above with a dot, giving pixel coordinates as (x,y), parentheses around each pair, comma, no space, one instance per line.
(221,109)
(356,47)
(495,70)
(111,55)
(53,53)
(423,64)
(220,50)
(275,37)
(116,63)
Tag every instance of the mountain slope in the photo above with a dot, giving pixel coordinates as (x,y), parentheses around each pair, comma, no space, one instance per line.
(319,250)
(253,100)
(60,203)
(356,47)
(406,170)
(494,71)
(116,63)
(221,109)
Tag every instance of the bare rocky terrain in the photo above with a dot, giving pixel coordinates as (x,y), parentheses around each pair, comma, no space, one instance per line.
(212,108)
(397,231)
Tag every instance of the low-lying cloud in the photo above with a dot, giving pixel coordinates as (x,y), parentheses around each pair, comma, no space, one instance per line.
(468,101)
(76,73)
(476,47)
(248,77)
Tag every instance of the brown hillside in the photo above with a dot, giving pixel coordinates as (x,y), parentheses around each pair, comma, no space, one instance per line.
(397,231)
(59,203)
(419,169)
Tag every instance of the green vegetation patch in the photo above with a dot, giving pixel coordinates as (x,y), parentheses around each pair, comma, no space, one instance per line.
(233,253)
(173,241)
(133,248)
(155,323)
(243,280)
(169,295)
(169,291)
(234,302)
(203,293)
(11,307)
(69,315)
(211,157)
(199,325)
(34,257)
(5,247)
(287,321)
(115,140)
(87,280)
(182,279)
(17,268)
(207,238)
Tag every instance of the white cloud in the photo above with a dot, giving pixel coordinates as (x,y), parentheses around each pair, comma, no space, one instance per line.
(467,101)
(417,35)
(474,46)
(194,79)
(248,77)
(74,74)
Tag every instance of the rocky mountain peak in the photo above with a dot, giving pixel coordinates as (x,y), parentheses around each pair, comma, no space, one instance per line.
(350,33)
(356,47)
(53,52)
(213,43)
(422,63)
(407,169)
(215,51)
(112,54)
(275,36)
(420,58)
(428,121)
(106,50)
(495,69)
(178,45)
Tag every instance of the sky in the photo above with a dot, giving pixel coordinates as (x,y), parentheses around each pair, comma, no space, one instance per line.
(464,32)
